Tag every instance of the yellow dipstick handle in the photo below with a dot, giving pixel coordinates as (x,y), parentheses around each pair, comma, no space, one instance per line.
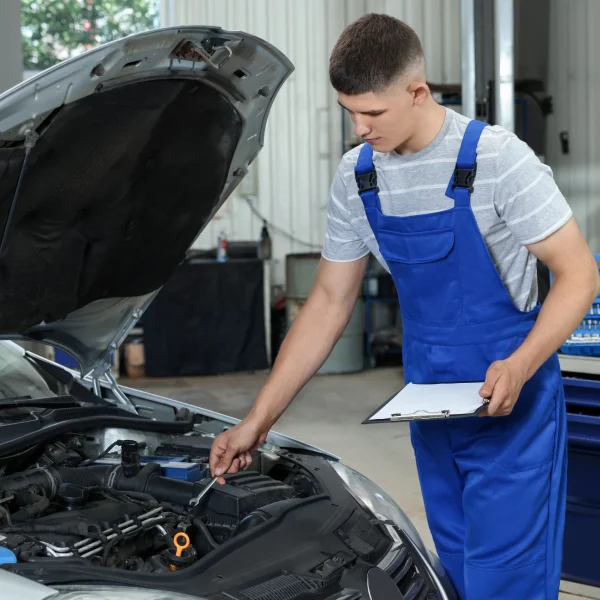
(181,541)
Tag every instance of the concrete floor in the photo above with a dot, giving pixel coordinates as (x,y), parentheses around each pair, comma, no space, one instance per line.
(328,414)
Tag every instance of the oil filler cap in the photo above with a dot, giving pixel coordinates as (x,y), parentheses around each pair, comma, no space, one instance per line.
(72,497)
(7,557)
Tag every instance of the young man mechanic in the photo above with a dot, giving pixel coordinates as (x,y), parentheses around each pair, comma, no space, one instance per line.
(458,212)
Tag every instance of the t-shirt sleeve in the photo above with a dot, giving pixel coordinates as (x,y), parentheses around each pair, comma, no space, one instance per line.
(342,243)
(527,197)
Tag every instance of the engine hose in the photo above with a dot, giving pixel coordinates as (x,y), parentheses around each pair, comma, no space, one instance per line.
(41,478)
(51,561)
(141,497)
(60,529)
(34,505)
(135,497)
(148,481)
(88,477)
(164,489)
(7,516)
(201,526)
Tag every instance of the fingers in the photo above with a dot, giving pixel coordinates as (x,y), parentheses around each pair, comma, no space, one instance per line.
(235,466)
(496,406)
(492,376)
(226,463)
(245,460)
(224,458)
(217,453)
(231,451)
(239,463)
(496,388)
(501,402)
(222,455)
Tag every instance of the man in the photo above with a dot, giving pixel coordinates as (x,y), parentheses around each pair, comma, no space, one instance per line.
(458,212)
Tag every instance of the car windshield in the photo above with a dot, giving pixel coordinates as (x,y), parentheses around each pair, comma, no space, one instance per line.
(18,377)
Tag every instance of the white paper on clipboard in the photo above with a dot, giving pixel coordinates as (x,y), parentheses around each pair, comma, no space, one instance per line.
(431,401)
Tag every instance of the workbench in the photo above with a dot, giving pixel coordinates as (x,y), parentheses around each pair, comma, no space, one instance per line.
(210,318)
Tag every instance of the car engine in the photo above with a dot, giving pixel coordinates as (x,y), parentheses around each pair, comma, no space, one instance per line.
(129,508)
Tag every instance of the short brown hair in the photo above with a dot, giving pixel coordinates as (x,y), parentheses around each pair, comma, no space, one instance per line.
(371,53)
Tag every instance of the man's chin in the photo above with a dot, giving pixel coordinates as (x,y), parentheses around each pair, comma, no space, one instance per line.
(381,146)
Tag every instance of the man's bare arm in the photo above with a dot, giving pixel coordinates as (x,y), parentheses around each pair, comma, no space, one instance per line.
(575,285)
(312,337)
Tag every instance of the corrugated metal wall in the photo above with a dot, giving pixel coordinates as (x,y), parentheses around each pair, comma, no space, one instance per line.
(292,174)
(574,84)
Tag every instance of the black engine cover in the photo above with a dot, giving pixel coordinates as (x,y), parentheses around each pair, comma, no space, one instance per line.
(225,506)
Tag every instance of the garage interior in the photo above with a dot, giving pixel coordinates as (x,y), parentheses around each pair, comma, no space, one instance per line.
(212,333)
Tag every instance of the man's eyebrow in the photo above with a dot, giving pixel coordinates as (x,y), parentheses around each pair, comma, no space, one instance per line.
(365,112)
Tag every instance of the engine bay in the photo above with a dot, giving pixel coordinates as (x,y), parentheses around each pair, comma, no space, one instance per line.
(126,504)
(96,491)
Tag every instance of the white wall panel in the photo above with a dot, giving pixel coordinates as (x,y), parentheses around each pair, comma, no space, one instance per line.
(302,149)
(574,83)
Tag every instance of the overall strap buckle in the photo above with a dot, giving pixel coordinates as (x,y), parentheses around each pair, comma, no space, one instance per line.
(464,178)
(366,181)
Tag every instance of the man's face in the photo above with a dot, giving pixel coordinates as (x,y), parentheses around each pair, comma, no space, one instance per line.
(384,119)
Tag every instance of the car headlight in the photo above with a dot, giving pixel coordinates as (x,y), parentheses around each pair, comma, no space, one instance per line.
(115,593)
(378,502)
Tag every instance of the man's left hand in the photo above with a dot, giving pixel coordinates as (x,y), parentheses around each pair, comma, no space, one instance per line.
(503,383)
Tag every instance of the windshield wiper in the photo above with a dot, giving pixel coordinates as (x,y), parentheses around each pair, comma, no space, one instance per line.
(29,402)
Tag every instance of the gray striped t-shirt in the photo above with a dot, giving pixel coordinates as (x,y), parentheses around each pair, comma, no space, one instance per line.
(515,200)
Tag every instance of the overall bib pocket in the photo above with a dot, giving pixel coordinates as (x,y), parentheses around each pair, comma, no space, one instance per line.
(425,270)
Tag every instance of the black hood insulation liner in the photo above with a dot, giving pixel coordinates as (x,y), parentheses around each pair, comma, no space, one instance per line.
(106,191)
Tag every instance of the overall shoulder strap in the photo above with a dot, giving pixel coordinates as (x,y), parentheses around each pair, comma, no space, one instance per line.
(366,177)
(460,187)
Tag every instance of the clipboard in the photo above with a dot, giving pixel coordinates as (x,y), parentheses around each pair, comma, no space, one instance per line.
(416,402)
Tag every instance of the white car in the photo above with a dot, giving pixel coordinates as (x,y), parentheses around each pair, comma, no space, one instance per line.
(111,164)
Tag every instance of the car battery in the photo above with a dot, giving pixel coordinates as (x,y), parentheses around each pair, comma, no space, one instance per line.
(174,467)
(191,447)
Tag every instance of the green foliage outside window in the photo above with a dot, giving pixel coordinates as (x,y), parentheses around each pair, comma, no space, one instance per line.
(54,30)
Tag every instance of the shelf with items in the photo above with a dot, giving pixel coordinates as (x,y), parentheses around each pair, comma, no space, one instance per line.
(579,365)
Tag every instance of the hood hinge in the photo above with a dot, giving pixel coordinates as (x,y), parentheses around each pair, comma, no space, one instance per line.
(121,398)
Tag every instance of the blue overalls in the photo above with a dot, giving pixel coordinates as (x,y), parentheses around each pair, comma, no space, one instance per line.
(494,487)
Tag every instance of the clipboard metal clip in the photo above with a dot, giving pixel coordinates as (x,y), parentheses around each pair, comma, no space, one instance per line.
(420,414)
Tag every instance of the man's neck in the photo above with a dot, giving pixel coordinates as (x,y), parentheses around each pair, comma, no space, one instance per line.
(429,123)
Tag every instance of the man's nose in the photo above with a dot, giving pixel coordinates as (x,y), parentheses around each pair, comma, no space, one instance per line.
(361,128)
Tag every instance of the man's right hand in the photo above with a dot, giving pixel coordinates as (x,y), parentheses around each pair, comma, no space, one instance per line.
(232,450)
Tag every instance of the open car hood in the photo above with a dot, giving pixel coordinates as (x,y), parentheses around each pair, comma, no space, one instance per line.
(133,148)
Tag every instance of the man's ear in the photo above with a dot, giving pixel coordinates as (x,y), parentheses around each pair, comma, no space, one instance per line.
(420,92)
